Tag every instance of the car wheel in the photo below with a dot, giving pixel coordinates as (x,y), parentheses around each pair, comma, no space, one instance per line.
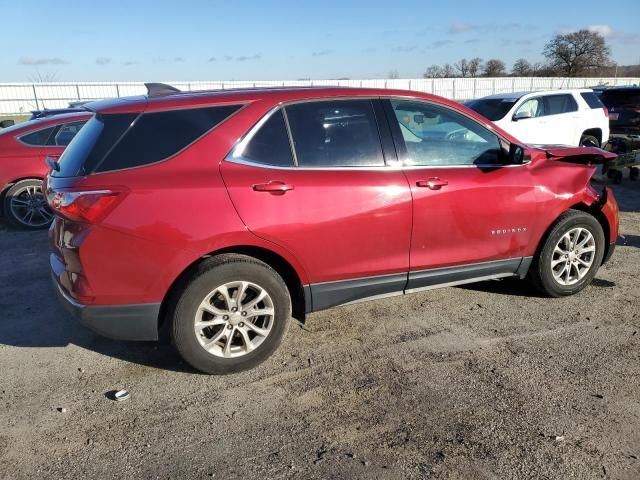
(25,205)
(231,316)
(589,141)
(570,256)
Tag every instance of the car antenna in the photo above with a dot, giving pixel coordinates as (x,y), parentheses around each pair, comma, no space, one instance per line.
(160,89)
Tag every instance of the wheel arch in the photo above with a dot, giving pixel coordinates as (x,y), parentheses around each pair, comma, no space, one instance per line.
(594,132)
(592,210)
(300,296)
(11,183)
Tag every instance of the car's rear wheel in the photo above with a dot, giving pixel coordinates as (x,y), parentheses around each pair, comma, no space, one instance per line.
(231,316)
(570,256)
(25,205)
(589,141)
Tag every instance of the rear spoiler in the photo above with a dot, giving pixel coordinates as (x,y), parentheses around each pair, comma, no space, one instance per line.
(581,155)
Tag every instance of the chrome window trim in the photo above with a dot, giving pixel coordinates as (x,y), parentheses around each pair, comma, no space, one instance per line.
(235,154)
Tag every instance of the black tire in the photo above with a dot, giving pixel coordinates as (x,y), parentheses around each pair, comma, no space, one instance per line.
(540,272)
(589,141)
(634,172)
(18,189)
(209,275)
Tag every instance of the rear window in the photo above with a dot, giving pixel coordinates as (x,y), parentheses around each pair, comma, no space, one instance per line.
(592,99)
(493,109)
(118,141)
(621,98)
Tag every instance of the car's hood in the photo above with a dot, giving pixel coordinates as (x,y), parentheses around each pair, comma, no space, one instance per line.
(583,155)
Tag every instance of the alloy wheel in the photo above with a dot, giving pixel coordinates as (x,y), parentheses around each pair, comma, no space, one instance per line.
(29,206)
(234,319)
(573,256)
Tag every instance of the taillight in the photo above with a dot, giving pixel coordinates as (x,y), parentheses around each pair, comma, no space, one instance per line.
(606,112)
(85,206)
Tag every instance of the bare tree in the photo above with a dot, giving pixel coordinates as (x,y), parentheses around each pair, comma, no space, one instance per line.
(475,65)
(577,53)
(521,68)
(494,68)
(462,66)
(448,71)
(434,71)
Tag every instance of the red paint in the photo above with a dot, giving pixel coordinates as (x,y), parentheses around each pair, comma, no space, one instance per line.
(19,161)
(327,224)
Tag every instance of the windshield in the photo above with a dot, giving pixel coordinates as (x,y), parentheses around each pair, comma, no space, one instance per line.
(492,108)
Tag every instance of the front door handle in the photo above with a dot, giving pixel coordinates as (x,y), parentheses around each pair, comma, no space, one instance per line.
(433,183)
(276,188)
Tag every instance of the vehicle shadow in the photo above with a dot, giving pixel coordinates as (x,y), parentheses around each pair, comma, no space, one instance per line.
(630,241)
(31,316)
(506,286)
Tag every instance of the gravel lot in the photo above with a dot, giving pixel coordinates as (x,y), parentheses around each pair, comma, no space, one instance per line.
(485,381)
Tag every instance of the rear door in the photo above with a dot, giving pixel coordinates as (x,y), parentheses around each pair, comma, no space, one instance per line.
(312,177)
(563,121)
(473,215)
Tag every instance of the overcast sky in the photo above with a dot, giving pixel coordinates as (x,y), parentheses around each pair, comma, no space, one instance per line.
(218,39)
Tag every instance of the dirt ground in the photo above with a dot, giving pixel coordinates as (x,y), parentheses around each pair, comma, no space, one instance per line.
(485,381)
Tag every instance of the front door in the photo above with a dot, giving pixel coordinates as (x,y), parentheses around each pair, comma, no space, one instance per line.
(473,215)
(331,200)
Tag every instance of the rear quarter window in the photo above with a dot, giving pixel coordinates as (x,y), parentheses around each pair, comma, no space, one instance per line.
(592,99)
(38,138)
(157,136)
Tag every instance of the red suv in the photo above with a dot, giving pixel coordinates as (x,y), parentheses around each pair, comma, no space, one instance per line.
(216,216)
(23,149)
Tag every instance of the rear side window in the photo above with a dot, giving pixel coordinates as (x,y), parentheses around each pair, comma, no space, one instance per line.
(92,143)
(341,133)
(65,133)
(557,104)
(592,99)
(39,138)
(270,144)
(159,135)
(124,140)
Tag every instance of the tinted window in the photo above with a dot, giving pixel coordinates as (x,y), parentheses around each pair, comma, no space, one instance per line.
(493,109)
(270,145)
(621,98)
(557,104)
(438,136)
(39,138)
(592,99)
(340,133)
(92,143)
(156,136)
(65,133)
(534,107)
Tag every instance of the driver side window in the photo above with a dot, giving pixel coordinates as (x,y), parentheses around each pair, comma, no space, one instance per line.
(438,136)
(533,106)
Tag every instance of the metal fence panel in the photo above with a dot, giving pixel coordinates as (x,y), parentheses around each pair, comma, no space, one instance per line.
(21,98)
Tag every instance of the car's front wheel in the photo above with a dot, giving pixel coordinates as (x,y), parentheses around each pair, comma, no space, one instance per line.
(231,316)
(25,205)
(570,256)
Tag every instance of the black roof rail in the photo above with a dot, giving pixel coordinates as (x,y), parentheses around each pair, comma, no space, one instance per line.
(160,89)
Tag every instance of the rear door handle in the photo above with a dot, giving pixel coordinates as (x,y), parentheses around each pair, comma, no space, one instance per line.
(433,183)
(277,188)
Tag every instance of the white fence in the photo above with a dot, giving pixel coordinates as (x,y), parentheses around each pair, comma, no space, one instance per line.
(21,98)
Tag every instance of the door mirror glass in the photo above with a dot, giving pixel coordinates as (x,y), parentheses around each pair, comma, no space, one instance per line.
(521,115)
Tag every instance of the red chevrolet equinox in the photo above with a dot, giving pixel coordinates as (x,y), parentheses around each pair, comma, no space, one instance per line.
(217,216)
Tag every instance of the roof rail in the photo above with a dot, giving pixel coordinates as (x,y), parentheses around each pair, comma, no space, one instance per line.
(160,89)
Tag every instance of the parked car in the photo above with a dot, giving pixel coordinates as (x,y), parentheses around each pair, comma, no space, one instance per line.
(562,117)
(23,150)
(215,216)
(623,104)
(50,112)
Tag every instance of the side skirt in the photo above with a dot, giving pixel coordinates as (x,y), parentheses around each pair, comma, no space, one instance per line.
(320,296)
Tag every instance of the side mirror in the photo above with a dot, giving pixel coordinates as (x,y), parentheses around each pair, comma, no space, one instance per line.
(517,154)
(522,115)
